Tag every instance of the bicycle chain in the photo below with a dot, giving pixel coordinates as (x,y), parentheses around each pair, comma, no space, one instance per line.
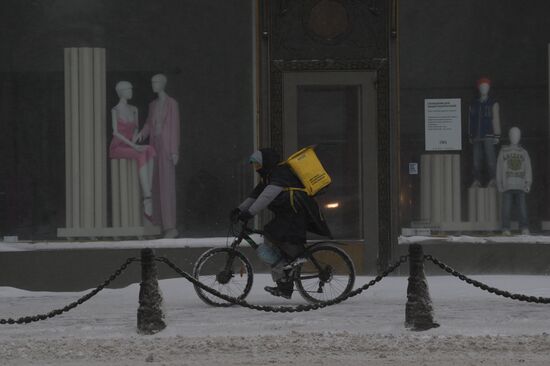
(481,285)
(80,301)
(282,309)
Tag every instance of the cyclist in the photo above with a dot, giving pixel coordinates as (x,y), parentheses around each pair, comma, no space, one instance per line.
(294,213)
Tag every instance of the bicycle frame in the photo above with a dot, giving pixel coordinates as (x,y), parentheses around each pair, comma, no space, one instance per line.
(244,235)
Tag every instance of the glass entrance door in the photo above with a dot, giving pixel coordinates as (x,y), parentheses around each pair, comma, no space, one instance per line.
(328,117)
(336,112)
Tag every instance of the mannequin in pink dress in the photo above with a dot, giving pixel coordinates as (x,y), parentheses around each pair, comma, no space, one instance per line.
(163,129)
(123,145)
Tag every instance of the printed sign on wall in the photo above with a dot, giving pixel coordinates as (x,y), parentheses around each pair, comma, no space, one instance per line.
(443,127)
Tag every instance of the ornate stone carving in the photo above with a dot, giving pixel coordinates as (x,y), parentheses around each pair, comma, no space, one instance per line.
(327,21)
(327,29)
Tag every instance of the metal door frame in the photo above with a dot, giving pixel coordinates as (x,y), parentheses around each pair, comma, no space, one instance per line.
(366,81)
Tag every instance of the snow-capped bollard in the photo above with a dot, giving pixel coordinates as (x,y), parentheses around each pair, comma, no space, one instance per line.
(418,311)
(150,318)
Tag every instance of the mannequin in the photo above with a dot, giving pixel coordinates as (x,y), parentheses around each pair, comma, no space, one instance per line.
(163,128)
(514,178)
(484,131)
(123,145)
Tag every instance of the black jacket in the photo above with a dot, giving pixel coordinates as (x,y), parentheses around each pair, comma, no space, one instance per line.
(294,211)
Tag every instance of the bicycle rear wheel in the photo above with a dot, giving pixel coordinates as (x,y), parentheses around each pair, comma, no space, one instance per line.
(225,270)
(329,274)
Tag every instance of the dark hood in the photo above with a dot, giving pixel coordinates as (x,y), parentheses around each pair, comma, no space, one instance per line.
(270,160)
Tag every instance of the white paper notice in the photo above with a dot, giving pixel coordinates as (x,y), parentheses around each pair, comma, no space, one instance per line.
(443,124)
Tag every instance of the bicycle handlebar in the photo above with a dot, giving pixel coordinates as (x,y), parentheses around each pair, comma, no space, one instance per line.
(247,230)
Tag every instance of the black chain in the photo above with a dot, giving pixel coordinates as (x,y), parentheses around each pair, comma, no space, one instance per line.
(282,309)
(493,290)
(83,299)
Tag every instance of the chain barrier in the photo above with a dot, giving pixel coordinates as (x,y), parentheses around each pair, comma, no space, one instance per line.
(282,309)
(275,309)
(493,290)
(80,301)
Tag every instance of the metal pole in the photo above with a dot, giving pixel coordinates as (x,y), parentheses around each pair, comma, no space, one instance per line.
(150,318)
(418,311)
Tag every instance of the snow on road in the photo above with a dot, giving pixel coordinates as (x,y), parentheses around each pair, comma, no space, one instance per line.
(476,327)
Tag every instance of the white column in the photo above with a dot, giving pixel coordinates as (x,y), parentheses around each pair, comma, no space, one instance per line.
(425,187)
(124,196)
(99,137)
(85,147)
(68,141)
(447,198)
(75,140)
(457,204)
(437,188)
(86,135)
(135,197)
(115,192)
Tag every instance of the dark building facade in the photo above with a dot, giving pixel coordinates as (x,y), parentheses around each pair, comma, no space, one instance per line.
(326,76)
(350,76)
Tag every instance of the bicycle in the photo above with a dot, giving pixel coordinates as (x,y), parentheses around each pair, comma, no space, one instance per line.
(327,274)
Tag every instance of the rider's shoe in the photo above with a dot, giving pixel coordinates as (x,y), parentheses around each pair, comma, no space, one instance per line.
(283,289)
(295,263)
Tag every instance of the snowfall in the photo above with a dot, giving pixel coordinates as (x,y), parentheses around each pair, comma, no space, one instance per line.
(476,328)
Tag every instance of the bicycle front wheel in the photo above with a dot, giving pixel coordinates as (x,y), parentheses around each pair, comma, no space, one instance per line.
(225,270)
(329,274)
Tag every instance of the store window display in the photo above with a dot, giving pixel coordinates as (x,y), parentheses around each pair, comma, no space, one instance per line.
(504,170)
(514,178)
(484,133)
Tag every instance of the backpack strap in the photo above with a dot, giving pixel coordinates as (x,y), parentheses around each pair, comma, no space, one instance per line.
(291,190)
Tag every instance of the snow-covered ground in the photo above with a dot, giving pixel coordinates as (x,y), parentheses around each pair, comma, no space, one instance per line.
(24,246)
(467,239)
(476,328)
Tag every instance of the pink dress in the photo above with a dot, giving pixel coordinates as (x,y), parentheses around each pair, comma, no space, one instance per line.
(120,150)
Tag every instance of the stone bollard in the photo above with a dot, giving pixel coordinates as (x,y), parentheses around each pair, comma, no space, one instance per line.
(418,311)
(150,318)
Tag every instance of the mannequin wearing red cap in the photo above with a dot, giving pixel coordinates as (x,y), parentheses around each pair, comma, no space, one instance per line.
(484,132)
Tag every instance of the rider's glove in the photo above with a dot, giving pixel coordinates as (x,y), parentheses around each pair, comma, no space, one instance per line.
(245,215)
(234,215)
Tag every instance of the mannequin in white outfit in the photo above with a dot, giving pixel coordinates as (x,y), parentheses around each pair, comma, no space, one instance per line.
(514,178)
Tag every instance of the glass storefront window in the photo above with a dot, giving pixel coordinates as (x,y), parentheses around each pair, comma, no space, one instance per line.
(209,73)
(493,181)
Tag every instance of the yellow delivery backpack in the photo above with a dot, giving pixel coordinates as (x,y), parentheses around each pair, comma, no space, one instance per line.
(307,167)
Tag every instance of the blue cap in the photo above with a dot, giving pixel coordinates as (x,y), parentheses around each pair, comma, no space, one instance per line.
(256,157)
